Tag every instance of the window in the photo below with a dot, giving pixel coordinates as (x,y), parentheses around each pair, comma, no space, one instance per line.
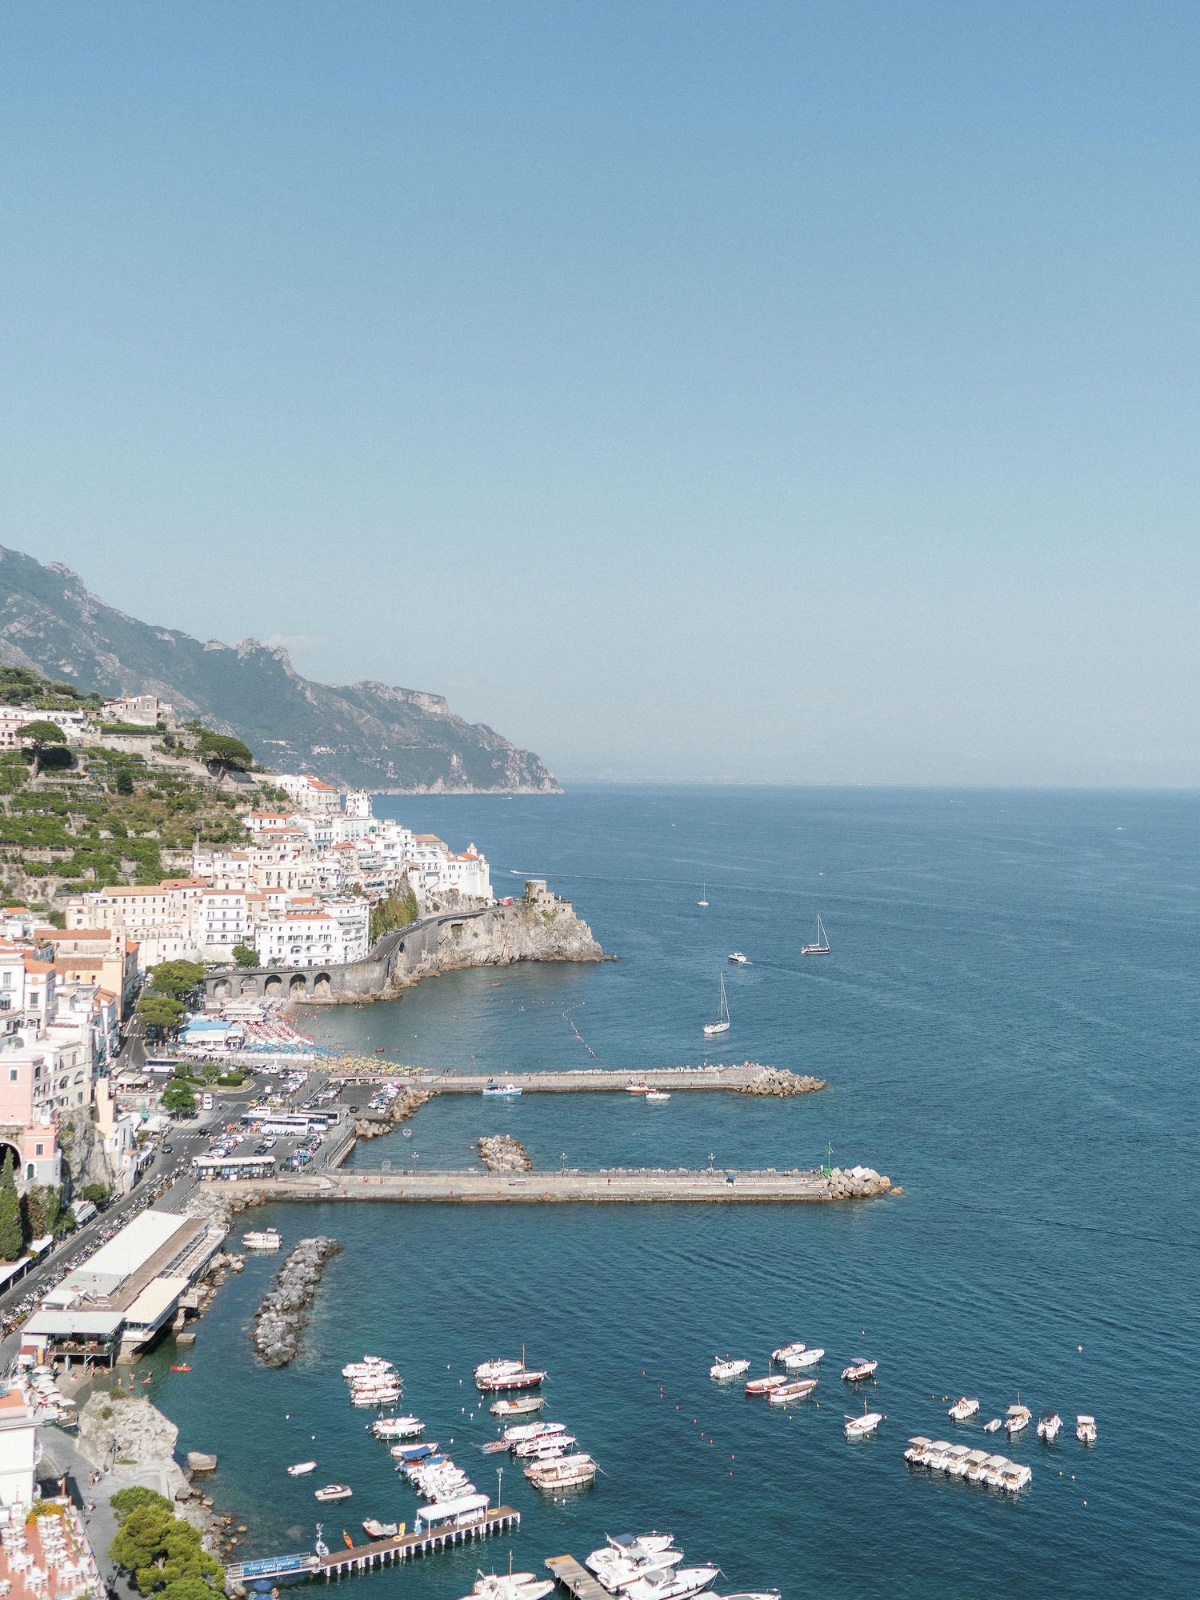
(14,1074)
(39,1149)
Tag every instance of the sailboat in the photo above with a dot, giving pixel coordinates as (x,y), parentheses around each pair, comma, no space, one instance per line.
(821,946)
(721,1025)
(703,900)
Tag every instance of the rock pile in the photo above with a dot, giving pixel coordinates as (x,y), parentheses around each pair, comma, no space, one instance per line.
(280,1321)
(408,1101)
(500,1153)
(779,1081)
(857,1182)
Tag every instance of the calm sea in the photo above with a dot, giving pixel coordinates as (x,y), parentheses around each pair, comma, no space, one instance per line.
(1008,1023)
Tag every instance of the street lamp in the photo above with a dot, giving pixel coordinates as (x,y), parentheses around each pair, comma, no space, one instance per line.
(711,1159)
(564,1163)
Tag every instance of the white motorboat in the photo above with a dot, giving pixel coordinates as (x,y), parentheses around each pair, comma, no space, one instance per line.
(497,1368)
(519,1378)
(637,1086)
(861,1427)
(374,1529)
(397,1428)
(786,1350)
(374,1397)
(795,1389)
(773,1380)
(656,1097)
(956,1463)
(980,1470)
(722,1023)
(545,1448)
(617,1568)
(803,1358)
(262,1239)
(917,1446)
(820,945)
(640,1544)
(937,1454)
(1049,1426)
(993,1426)
(723,1370)
(334,1491)
(301,1469)
(738,959)
(961,1410)
(510,1586)
(679,1584)
(975,1459)
(531,1430)
(1012,1477)
(750,1594)
(1017,1419)
(509,1089)
(368,1367)
(567,1472)
(857,1371)
(1085,1429)
(521,1406)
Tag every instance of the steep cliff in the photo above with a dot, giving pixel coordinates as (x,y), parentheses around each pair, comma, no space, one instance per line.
(497,938)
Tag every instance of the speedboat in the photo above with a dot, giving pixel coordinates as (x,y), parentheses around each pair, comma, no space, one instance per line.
(803,1358)
(335,1491)
(993,1426)
(860,1427)
(723,1370)
(567,1472)
(1018,1419)
(374,1529)
(962,1409)
(262,1239)
(765,1385)
(397,1428)
(858,1370)
(627,1558)
(786,1350)
(502,1089)
(679,1584)
(1085,1429)
(738,959)
(1049,1425)
(655,1097)
(301,1468)
(519,1407)
(796,1389)
(510,1586)
(637,1086)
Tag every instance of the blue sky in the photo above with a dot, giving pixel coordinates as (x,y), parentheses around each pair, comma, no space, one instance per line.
(753,392)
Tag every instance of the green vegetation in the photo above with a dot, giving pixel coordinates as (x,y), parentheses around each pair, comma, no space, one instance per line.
(160,1551)
(245,956)
(397,911)
(12,1235)
(98,1193)
(159,1012)
(42,1210)
(225,751)
(20,686)
(178,1098)
(175,978)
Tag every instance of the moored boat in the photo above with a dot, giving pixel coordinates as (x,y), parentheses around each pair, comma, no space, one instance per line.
(522,1378)
(861,1427)
(567,1472)
(1049,1426)
(1085,1429)
(786,1350)
(679,1584)
(397,1428)
(262,1239)
(521,1406)
(1017,1419)
(497,1368)
(795,1389)
(374,1529)
(334,1491)
(530,1430)
(545,1448)
(857,1371)
(723,1370)
(301,1468)
(961,1410)
(765,1385)
(803,1358)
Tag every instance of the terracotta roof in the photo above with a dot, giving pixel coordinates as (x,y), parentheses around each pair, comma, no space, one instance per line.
(52,934)
(38,966)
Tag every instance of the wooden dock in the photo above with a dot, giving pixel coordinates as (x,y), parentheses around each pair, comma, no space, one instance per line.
(576,1578)
(379,1553)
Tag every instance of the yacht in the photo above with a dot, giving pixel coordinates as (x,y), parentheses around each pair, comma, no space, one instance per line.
(861,1427)
(765,1385)
(1085,1429)
(301,1469)
(786,1350)
(679,1584)
(519,1407)
(858,1370)
(820,946)
(803,1358)
(335,1491)
(738,959)
(1049,1426)
(262,1239)
(796,1389)
(618,1569)
(722,1370)
(1017,1419)
(568,1472)
(721,1025)
(397,1428)
(656,1097)
(961,1410)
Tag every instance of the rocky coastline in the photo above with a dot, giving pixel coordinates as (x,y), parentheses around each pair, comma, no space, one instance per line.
(499,1152)
(779,1081)
(858,1183)
(280,1321)
(406,1103)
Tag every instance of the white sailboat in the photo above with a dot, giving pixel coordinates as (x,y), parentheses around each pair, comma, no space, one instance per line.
(703,900)
(820,946)
(721,1025)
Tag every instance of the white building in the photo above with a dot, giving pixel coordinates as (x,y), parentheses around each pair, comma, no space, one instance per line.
(302,939)
(18,1436)
(309,793)
(223,921)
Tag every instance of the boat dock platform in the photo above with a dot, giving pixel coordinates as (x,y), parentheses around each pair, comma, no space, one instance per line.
(635,1186)
(594,1080)
(576,1578)
(365,1557)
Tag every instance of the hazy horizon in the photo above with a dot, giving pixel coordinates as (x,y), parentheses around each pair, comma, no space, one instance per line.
(767,394)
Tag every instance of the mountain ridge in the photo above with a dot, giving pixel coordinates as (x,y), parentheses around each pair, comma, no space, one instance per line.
(368,734)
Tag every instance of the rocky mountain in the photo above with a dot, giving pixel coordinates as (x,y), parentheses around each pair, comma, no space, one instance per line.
(368,735)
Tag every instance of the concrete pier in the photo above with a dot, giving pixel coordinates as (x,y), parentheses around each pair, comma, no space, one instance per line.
(598,1080)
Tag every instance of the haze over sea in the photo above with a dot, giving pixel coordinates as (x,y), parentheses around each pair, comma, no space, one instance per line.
(1008,1024)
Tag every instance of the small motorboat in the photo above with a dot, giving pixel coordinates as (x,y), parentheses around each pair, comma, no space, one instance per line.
(522,1378)
(334,1491)
(794,1389)
(656,1097)
(1017,1419)
(786,1350)
(181,1368)
(917,1446)
(493,1089)
(519,1407)
(993,1426)
(497,1368)
(765,1385)
(301,1468)
(374,1529)
(262,1239)
(962,1410)
(1049,1426)
(530,1430)
(861,1427)
(857,1371)
(413,1452)
(637,1086)
(738,959)
(1085,1429)
(679,1583)
(721,1371)
(803,1358)
(397,1428)
(565,1472)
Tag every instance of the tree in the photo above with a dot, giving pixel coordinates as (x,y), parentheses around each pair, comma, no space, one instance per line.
(224,751)
(397,911)
(178,1099)
(175,978)
(124,784)
(39,736)
(41,1207)
(159,1012)
(98,1193)
(161,1551)
(245,956)
(12,1235)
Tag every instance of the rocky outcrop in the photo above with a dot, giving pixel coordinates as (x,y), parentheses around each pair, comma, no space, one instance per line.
(83,1151)
(279,1325)
(126,1428)
(779,1081)
(499,937)
(501,1153)
(856,1183)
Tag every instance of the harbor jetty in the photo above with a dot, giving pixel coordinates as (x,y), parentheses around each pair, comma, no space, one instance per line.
(751,1077)
(608,1185)
(499,1152)
(280,1321)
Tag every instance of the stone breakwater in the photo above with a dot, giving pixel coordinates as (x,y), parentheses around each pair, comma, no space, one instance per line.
(281,1319)
(501,1153)
(856,1183)
(779,1081)
(403,1107)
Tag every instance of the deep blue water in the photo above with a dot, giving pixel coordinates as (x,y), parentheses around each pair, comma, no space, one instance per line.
(1008,1025)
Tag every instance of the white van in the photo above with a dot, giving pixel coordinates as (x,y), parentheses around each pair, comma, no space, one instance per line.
(206,1101)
